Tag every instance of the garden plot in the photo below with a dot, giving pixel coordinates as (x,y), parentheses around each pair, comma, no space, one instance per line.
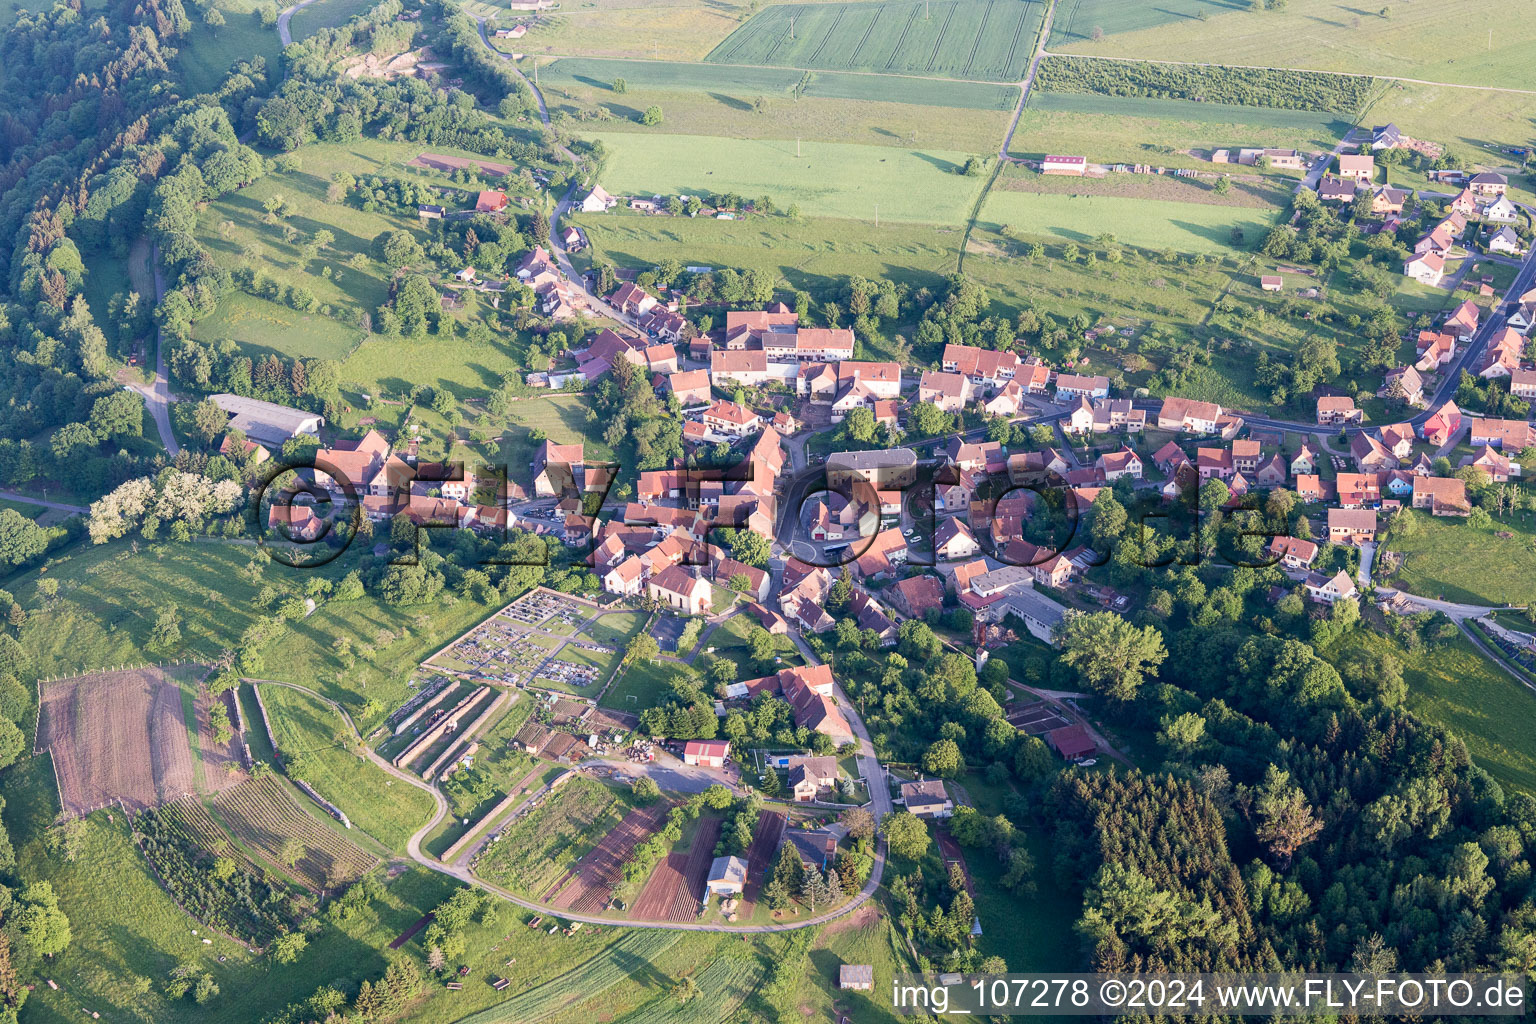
(118,738)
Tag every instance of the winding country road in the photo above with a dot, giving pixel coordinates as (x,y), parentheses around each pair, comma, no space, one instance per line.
(440,803)
(158,395)
(284,36)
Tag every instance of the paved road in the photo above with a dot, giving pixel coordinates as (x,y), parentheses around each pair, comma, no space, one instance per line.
(1029,79)
(56,506)
(285,16)
(158,395)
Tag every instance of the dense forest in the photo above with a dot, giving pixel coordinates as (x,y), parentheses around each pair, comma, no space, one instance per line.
(1251,87)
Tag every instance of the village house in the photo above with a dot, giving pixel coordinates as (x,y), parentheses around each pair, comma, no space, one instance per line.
(598,200)
(1463,321)
(1501,211)
(1427,268)
(1522,384)
(1293,552)
(1357,167)
(1114,465)
(1006,403)
(731,420)
(915,595)
(1214,463)
(1118,414)
(982,365)
(490,201)
(810,777)
(558,469)
(1405,383)
(1398,439)
(1505,241)
(1370,455)
(809,344)
(953,540)
(949,391)
(690,386)
(1385,136)
(1079,419)
(1351,526)
(1435,349)
(1169,458)
(1071,385)
(1336,190)
(927,799)
(1337,410)
(1442,424)
(1305,460)
(748,369)
(1189,416)
(1388,200)
(1495,463)
(1488,183)
(1509,435)
(1330,589)
(887,469)
(1270,472)
(1358,490)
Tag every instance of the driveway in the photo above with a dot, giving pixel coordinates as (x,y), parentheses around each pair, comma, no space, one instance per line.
(1367,556)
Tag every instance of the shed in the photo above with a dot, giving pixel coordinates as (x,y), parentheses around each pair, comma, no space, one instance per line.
(859,977)
(1072,741)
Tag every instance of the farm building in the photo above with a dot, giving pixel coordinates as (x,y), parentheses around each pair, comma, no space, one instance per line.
(727,876)
(1073,165)
(267,422)
(706,753)
(1271,282)
(858,977)
(1072,742)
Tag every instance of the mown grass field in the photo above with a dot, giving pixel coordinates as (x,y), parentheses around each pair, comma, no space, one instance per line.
(973,39)
(383,807)
(667,33)
(643,684)
(824,180)
(1476,124)
(1331,35)
(261,327)
(762,103)
(1450,559)
(1152,223)
(1076,19)
(325,14)
(815,255)
(1168,133)
(535,851)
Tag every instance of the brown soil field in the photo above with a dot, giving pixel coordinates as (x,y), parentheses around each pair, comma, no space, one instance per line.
(760,856)
(439,162)
(603,866)
(676,888)
(116,737)
(221,761)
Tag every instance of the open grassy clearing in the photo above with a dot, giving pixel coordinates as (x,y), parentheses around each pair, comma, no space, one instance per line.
(1450,559)
(206,54)
(261,327)
(1154,224)
(616,629)
(1411,40)
(325,14)
(1133,129)
(385,808)
(109,597)
(825,180)
(392,366)
(974,39)
(868,110)
(815,255)
(670,33)
(1460,689)
(644,684)
(1076,19)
